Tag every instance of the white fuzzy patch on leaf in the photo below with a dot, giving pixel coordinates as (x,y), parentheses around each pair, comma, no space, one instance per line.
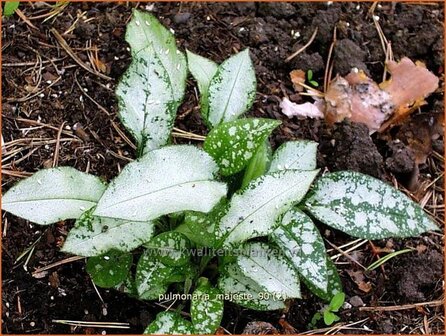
(93,236)
(245,291)
(299,239)
(52,195)
(270,269)
(254,210)
(365,207)
(295,155)
(164,181)
(232,90)
(233,144)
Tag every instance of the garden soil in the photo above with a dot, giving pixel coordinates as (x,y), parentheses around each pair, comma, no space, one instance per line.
(44,90)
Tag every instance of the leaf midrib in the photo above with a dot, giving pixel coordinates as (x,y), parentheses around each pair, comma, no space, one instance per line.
(261,206)
(153,192)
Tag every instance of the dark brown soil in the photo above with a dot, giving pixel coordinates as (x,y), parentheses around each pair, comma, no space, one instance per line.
(216,30)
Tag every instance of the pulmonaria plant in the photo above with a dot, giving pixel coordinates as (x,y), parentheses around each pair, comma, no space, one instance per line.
(230,221)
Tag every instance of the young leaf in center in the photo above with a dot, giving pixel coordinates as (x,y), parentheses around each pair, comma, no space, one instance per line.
(233,144)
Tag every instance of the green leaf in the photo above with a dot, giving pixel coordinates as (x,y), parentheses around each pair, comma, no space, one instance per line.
(152,277)
(337,301)
(310,74)
(270,269)
(383,260)
(202,225)
(93,236)
(299,154)
(253,211)
(365,207)
(330,317)
(232,144)
(166,180)
(169,323)
(259,164)
(110,269)
(206,308)
(10,7)
(52,195)
(245,291)
(147,106)
(128,286)
(299,239)
(145,30)
(334,283)
(171,248)
(203,70)
(232,90)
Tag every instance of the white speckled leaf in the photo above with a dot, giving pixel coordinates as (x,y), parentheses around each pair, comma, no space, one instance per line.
(170,248)
(232,144)
(365,207)
(334,282)
(202,225)
(245,291)
(299,239)
(169,323)
(52,195)
(253,211)
(93,236)
(270,269)
(144,30)
(164,181)
(153,277)
(206,309)
(203,70)
(295,155)
(110,269)
(232,90)
(146,103)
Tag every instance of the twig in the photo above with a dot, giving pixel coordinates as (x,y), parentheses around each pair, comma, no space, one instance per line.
(289,58)
(404,307)
(70,52)
(328,68)
(92,324)
(57,263)
(57,148)
(25,19)
(345,254)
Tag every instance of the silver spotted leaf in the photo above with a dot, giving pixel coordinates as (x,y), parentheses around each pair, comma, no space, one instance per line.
(232,144)
(169,323)
(167,180)
(299,239)
(109,269)
(299,154)
(246,292)
(145,30)
(171,248)
(365,207)
(203,70)
(206,308)
(53,194)
(93,235)
(232,90)
(270,269)
(254,210)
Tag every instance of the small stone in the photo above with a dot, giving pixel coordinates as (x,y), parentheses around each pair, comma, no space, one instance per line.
(356,301)
(180,18)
